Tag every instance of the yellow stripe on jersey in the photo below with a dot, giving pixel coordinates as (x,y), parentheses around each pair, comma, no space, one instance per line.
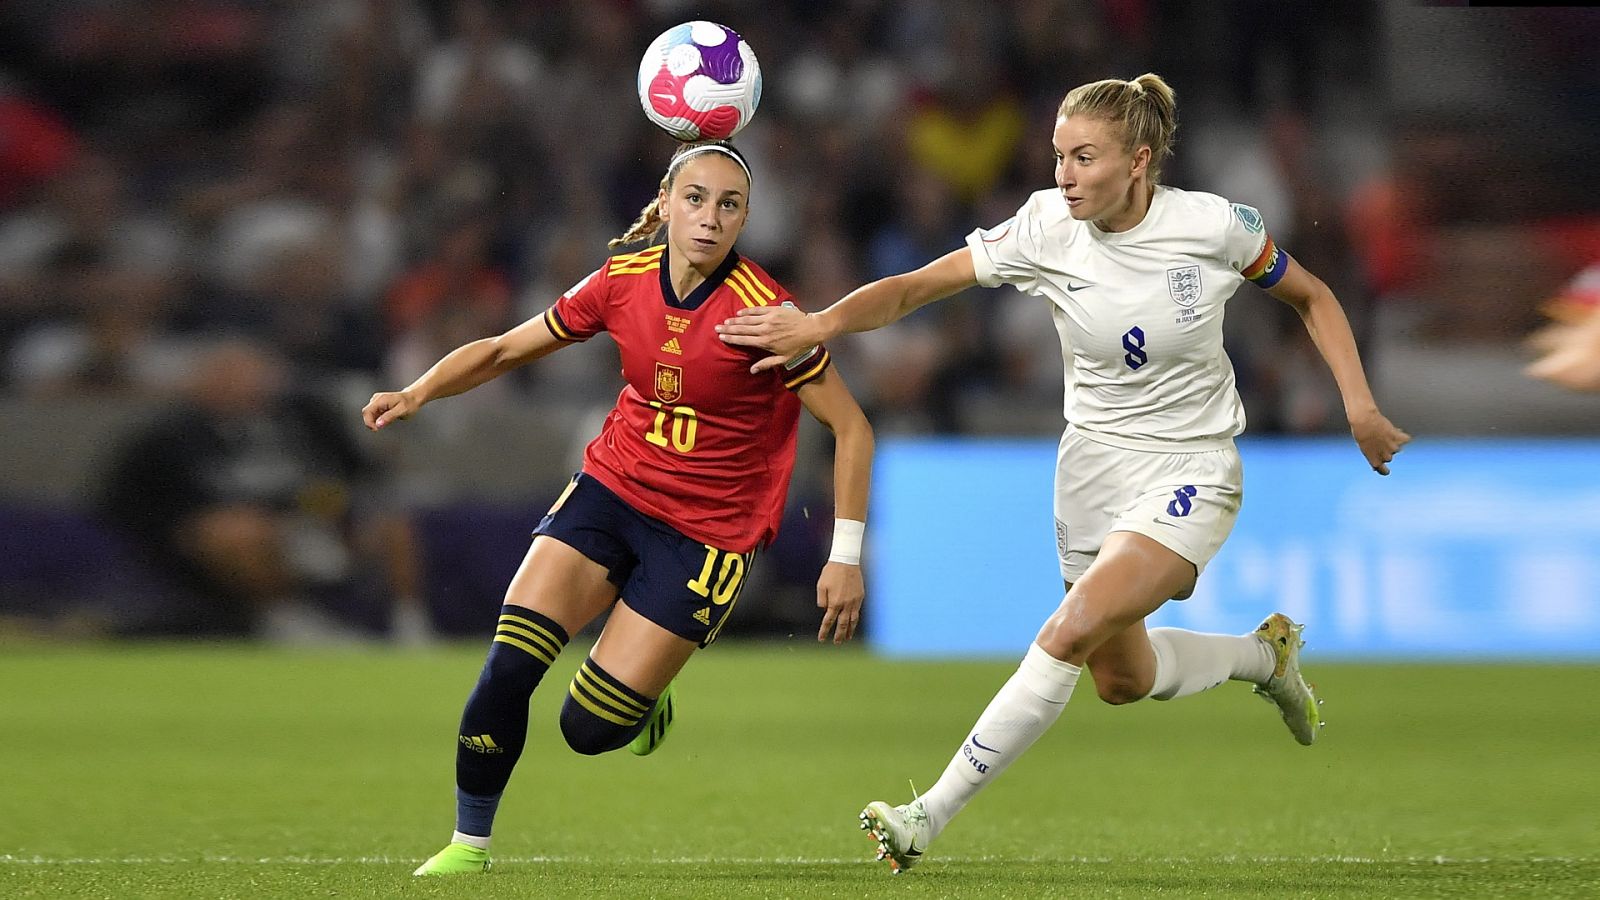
(811,371)
(762,289)
(557,327)
(632,263)
(651,266)
(647,253)
(743,294)
(755,290)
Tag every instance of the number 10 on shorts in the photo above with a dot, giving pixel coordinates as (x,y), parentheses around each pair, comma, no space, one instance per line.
(719,583)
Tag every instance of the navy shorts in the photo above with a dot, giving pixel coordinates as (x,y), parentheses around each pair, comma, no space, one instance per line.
(686,587)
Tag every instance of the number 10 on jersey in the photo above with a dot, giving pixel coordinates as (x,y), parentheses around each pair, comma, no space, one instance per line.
(684,425)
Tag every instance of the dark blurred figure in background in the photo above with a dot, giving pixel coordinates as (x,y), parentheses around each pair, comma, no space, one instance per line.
(247,496)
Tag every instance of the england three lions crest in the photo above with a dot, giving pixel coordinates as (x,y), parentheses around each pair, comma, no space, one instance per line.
(1183,283)
(669,383)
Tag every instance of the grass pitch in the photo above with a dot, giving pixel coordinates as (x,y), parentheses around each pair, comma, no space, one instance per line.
(235,772)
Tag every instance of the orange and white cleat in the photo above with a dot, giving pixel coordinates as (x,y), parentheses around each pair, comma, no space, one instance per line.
(900,831)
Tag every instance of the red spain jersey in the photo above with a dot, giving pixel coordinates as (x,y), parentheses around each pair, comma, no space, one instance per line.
(695,440)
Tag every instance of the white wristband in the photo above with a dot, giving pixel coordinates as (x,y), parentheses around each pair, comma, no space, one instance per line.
(847,541)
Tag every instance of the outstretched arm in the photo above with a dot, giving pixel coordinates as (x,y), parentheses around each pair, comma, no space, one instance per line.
(1325,321)
(784,332)
(463,369)
(840,589)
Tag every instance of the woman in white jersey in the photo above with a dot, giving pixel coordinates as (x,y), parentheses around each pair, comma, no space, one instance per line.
(1148,481)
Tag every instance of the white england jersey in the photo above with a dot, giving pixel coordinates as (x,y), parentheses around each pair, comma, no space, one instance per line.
(1139,312)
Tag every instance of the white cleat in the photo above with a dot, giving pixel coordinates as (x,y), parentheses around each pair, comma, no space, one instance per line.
(1296,700)
(901,832)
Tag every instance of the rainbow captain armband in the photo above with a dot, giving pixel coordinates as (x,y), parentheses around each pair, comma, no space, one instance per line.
(1268,267)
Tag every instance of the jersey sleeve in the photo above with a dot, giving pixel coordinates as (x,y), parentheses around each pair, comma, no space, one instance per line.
(1250,250)
(579,314)
(808,365)
(1008,253)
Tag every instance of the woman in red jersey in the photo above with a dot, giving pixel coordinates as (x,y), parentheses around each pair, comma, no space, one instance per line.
(684,483)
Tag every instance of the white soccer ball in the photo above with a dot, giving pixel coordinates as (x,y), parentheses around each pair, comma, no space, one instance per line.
(699,81)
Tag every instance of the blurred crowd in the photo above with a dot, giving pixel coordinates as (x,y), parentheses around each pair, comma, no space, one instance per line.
(245,214)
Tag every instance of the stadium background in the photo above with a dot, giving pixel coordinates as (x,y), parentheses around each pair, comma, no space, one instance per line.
(350,189)
(204,203)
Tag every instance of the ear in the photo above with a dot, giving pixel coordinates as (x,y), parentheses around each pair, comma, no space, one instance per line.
(1141,161)
(661,204)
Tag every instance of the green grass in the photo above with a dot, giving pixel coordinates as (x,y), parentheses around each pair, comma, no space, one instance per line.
(232,772)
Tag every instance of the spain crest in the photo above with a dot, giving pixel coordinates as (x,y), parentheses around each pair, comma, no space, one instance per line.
(669,383)
(1183,283)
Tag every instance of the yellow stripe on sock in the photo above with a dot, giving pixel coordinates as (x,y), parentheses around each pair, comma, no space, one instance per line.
(520,644)
(591,706)
(537,635)
(518,631)
(623,702)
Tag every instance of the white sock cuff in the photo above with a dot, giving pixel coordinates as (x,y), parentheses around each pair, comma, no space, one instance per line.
(1159,689)
(471,840)
(1050,678)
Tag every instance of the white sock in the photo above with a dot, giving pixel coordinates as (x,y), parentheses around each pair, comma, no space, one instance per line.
(1188,662)
(1022,710)
(472,840)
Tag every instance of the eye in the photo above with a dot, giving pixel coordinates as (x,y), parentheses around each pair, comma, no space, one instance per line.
(692,197)
(730,205)
(1084,159)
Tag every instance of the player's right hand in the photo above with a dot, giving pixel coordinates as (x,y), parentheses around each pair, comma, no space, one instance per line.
(387,406)
(840,590)
(1378,439)
(782,331)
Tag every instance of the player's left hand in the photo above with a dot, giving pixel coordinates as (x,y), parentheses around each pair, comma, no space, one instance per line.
(840,591)
(1378,439)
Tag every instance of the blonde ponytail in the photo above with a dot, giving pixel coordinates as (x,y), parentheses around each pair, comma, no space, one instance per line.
(644,227)
(1146,110)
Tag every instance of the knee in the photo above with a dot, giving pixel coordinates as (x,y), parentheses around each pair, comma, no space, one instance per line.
(1063,639)
(1118,689)
(586,732)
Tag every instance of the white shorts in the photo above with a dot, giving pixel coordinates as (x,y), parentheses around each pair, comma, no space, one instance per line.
(1187,502)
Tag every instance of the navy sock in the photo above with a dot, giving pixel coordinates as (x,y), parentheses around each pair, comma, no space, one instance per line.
(474,814)
(601,713)
(494,725)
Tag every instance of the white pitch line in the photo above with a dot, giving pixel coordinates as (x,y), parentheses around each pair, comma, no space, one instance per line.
(768,861)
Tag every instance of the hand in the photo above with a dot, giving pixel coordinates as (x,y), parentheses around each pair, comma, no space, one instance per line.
(1378,439)
(783,331)
(839,593)
(387,406)
(1570,355)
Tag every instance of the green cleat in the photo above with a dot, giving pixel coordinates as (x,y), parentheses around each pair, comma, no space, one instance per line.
(455,859)
(900,831)
(661,718)
(1296,700)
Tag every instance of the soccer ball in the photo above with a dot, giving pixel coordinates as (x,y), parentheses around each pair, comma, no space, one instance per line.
(699,81)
